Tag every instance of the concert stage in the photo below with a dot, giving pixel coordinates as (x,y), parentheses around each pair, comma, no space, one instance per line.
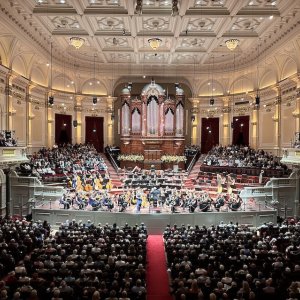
(154,220)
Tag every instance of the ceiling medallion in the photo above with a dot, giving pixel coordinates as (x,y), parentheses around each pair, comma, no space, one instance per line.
(154,43)
(76,42)
(232,44)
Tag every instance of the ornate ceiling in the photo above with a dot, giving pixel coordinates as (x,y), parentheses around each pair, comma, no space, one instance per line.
(115,34)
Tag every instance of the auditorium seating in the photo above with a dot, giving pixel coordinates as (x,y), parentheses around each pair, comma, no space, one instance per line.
(234,262)
(75,262)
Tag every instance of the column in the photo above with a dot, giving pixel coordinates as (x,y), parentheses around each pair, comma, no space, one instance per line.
(78,118)
(254,141)
(297,111)
(277,122)
(110,119)
(29,115)
(195,122)
(50,122)
(227,119)
(8,93)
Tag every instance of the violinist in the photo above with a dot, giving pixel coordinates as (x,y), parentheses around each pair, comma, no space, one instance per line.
(220,201)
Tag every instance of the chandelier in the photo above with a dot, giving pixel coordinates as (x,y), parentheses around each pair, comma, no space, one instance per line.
(154,43)
(76,42)
(232,44)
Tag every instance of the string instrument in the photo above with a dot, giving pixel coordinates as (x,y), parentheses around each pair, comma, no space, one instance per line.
(235,204)
(109,185)
(98,185)
(79,186)
(145,203)
(220,201)
(88,187)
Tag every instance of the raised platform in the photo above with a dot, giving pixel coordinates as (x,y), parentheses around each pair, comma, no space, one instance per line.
(156,222)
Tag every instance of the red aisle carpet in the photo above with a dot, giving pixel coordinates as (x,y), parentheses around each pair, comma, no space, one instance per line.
(157,276)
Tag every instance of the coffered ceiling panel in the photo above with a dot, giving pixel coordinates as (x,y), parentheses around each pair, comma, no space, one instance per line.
(115,31)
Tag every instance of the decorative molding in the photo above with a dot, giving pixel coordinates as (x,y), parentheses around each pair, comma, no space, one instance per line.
(296,114)
(275,119)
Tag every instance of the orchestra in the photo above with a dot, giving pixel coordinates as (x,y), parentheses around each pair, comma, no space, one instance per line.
(91,190)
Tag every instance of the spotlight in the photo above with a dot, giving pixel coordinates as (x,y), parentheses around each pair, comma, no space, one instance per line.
(75,123)
(257,100)
(112,117)
(193,118)
(211,101)
(129,86)
(94,100)
(139,7)
(51,100)
(176,85)
(175,11)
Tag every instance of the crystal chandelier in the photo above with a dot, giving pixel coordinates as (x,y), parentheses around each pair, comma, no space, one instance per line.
(154,43)
(76,42)
(232,44)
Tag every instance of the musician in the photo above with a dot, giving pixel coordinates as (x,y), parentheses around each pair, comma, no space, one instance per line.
(235,202)
(230,183)
(220,201)
(79,201)
(204,202)
(260,179)
(219,183)
(139,201)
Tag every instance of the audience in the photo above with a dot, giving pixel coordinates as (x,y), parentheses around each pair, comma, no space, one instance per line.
(79,261)
(234,262)
(242,156)
(68,159)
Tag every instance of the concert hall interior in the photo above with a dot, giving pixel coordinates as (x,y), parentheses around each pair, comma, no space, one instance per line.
(155,123)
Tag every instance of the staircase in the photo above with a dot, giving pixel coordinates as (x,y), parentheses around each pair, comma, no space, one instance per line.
(114,176)
(189,181)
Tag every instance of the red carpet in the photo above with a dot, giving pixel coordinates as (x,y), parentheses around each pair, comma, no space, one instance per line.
(157,276)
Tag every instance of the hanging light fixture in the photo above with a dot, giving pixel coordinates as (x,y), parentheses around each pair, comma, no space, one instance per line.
(77,42)
(95,97)
(232,44)
(212,100)
(51,98)
(154,43)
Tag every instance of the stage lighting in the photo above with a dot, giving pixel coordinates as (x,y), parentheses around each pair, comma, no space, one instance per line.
(51,100)
(94,100)
(176,85)
(212,101)
(75,123)
(257,100)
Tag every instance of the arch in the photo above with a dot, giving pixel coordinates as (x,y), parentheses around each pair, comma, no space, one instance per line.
(206,87)
(63,83)
(241,84)
(38,76)
(289,68)
(3,56)
(19,65)
(268,78)
(96,88)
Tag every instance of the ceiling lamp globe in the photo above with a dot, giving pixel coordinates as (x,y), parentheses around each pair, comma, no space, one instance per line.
(77,42)
(232,44)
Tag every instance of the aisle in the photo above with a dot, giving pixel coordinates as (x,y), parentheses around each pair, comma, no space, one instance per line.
(157,276)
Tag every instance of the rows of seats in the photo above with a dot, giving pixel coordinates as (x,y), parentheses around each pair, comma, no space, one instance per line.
(234,262)
(78,261)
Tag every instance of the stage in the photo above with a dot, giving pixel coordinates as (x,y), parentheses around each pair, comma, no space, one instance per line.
(154,220)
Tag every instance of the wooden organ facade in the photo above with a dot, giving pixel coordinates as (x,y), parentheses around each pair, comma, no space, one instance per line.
(152,125)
